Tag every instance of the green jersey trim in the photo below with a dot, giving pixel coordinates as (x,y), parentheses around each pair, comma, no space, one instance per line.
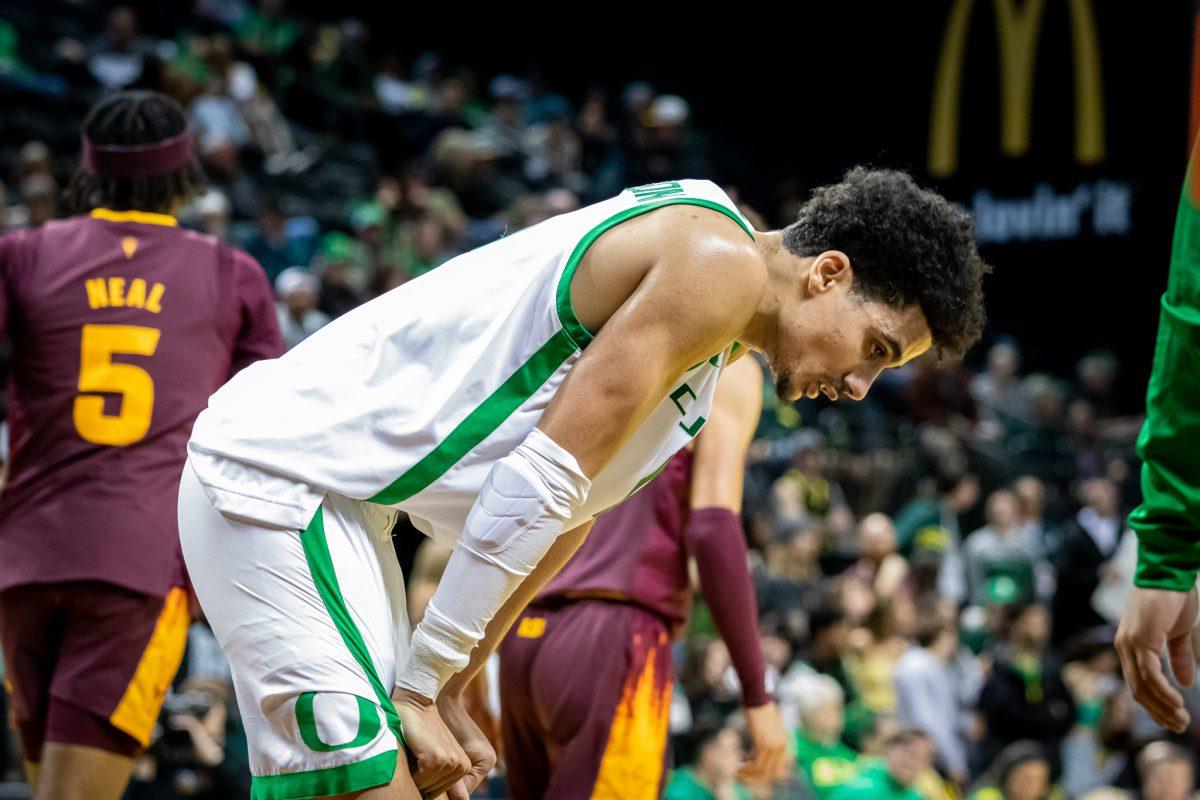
(579,334)
(529,377)
(483,420)
(320,564)
(373,771)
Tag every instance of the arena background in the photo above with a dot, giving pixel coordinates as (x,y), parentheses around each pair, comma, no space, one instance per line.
(1073,118)
(799,94)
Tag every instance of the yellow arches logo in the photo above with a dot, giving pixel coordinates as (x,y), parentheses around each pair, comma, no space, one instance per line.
(1018,26)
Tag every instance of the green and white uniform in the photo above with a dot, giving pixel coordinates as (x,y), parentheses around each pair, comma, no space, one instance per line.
(405,402)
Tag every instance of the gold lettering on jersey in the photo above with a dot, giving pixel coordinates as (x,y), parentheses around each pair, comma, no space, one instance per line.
(136,296)
(97,293)
(116,292)
(154,301)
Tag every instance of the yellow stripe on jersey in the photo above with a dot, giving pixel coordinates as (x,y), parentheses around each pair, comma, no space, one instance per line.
(142,217)
(143,698)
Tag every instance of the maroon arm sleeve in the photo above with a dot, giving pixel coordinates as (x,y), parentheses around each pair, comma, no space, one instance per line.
(714,538)
(258,336)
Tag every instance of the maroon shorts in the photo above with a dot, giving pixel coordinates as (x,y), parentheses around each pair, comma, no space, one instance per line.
(89,663)
(585,696)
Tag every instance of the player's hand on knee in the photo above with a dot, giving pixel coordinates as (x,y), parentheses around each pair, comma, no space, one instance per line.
(771,757)
(477,747)
(437,760)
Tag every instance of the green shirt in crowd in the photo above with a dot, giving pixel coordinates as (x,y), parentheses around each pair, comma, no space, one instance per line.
(874,783)
(1168,520)
(684,785)
(827,766)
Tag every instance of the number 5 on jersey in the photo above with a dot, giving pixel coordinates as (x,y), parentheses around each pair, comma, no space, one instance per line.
(99,375)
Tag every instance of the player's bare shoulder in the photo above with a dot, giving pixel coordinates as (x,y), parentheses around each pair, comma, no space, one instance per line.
(699,254)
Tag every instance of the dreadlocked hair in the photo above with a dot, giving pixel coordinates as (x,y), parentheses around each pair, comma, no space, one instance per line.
(132,118)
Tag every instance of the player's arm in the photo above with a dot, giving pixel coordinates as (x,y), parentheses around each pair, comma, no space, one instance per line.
(697,295)
(258,335)
(1162,607)
(716,541)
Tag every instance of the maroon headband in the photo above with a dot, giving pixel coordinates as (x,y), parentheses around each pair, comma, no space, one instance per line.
(138,160)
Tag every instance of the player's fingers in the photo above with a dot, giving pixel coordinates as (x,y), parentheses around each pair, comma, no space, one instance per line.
(1133,677)
(456,768)
(1183,660)
(1158,696)
(475,776)
(434,774)
(458,792)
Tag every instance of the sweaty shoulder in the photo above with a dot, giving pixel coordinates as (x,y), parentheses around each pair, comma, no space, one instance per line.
(697,253)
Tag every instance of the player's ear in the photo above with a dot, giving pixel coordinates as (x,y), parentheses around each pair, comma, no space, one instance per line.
(828,270)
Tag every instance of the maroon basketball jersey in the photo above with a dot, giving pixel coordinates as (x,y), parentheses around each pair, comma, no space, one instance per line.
(636,551)
(121,324)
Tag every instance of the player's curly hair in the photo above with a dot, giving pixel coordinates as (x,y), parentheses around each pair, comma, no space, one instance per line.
(906,245)
(131,118)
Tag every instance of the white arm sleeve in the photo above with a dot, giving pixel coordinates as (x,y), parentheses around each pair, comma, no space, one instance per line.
(520,511)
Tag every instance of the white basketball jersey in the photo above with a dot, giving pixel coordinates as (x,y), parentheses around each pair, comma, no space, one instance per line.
(409,399)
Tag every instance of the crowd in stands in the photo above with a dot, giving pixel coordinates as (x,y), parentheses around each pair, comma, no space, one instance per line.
(939,568)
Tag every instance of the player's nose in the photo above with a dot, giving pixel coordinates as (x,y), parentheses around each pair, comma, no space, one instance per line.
(856,385)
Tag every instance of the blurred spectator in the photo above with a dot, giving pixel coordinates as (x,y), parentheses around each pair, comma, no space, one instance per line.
(267,30)
(877,647)
(1024,696)
(1168,772)
(709,681)
(997,390)
(34,158)
(275,246)
(668,146)
(118,57)
(1088,541)
(789,585)
(929,526)
(339,277)
(40,196)
(1004,547)
(906,754)
(191,753)
(1031,497)
(297,289)
(1099,752)
(822,759)
(929,693)
(804,496)
(878,568)
(1021,772)
(939,394)
(506,128)
(1096,381)
(710,769)
(212,211)
(1037,439)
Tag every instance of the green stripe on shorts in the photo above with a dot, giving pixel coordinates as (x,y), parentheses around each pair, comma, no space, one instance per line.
(374,771)
(316,552)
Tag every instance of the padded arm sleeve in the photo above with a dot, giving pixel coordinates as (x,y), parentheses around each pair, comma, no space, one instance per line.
(525,500)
